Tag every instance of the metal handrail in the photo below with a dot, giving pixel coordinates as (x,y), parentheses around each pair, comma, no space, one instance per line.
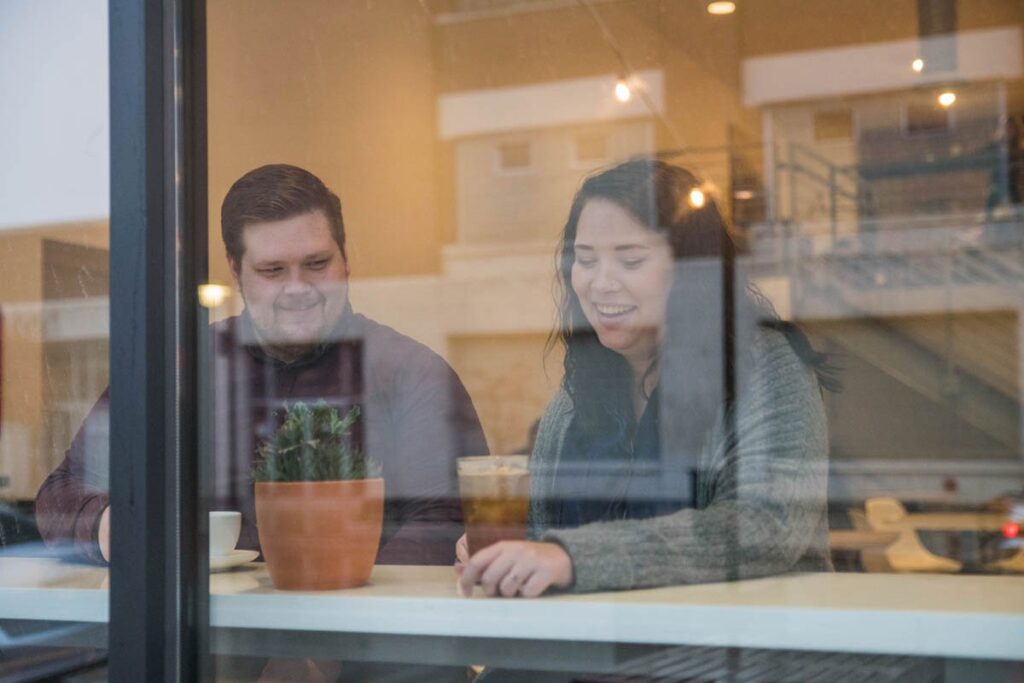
(831,183)
(807,151)
(828,182)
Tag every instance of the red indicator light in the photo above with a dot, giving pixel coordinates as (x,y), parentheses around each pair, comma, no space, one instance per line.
(1011,530)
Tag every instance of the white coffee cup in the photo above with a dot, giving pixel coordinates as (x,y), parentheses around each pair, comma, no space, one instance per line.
(225,526)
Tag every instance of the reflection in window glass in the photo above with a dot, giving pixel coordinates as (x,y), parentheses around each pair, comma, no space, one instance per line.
(742,285)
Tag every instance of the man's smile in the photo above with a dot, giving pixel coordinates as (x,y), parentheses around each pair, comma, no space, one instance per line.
(298,307)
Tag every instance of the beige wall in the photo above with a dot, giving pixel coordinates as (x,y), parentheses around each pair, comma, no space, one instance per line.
(774,26)
(974,14)
(510,379)
(543,46)
(344,88)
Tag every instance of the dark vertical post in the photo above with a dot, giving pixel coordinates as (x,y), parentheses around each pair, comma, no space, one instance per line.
(729,329)
(143,624)
(194,410)
(157,595)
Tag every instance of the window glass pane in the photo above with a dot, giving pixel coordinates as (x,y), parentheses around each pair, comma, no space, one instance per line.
(726,297)
(54,343)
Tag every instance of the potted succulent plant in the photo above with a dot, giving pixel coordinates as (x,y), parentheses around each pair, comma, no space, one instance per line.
(319,501)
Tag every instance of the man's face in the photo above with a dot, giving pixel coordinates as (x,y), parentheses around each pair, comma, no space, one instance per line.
(293,279)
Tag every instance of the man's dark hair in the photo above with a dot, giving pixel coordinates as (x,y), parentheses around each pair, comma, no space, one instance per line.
(273,193)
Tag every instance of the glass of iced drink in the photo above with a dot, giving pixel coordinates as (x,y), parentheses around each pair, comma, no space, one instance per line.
(495,492)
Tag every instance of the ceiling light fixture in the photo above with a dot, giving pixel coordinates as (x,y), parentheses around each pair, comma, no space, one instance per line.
(947,99)
(623,93)
(212,295)
(720,7)
(917,65)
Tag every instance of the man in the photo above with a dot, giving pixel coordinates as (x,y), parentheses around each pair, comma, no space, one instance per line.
(298,339)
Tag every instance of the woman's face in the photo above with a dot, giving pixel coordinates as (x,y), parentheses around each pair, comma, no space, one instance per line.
(622,273)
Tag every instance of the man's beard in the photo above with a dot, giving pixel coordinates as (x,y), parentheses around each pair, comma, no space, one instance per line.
(292,338)
(295,327)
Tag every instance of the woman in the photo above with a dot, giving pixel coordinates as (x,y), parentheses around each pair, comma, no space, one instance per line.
(611,506)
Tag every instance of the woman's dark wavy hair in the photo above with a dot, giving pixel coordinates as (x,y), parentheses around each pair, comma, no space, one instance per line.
(657,194)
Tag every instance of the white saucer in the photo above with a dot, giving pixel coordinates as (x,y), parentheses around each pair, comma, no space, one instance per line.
(219,563)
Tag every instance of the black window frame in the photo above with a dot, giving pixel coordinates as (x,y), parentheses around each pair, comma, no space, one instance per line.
(159,585)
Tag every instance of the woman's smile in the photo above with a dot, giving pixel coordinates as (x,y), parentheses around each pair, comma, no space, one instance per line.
(614,310)
(614,314)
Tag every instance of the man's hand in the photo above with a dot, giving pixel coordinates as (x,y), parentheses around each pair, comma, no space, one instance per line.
(103,534)
(511,568)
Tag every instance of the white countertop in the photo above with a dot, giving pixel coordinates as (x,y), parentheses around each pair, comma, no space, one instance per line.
(927,615)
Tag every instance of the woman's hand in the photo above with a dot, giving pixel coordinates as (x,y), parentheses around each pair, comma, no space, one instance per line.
(461,553)
(511,568)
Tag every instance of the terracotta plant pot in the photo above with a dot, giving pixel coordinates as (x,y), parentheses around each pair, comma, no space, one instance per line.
(320,535)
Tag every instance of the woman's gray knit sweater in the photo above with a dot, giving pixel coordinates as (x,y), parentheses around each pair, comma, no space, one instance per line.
(761,504)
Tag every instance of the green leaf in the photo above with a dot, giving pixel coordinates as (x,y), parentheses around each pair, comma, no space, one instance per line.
(313,444)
